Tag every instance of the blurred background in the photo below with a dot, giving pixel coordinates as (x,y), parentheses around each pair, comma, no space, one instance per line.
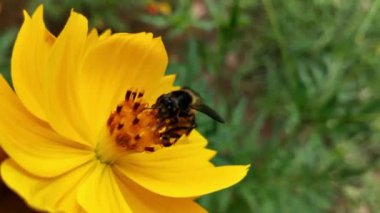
(298,83)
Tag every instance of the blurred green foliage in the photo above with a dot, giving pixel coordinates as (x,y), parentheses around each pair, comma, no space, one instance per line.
(297,81)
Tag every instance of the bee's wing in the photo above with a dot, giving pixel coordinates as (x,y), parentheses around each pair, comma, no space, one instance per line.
(201,107)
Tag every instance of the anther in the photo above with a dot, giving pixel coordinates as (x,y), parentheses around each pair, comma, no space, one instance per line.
(137,137)
(133,95)
(109,121)
(133,125)
(128,95)
(120,126)
(123,140)
(136,106)
(118,109)
(149,149)
(135,121)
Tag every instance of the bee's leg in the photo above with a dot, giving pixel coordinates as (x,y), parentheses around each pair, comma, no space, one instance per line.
(166,141)
(174,135)
(193,126)
(168,131)
(173,121)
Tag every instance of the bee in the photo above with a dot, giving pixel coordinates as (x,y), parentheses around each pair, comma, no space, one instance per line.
(176,114)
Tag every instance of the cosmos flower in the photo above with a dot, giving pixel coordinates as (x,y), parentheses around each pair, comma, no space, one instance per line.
(58,128)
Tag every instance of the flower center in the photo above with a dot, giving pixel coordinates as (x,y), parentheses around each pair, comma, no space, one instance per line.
(134,126)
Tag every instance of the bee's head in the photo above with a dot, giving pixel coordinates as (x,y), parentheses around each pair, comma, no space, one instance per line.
(167,106)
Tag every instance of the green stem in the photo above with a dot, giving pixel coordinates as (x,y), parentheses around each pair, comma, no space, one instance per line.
(363,28)
(269,9)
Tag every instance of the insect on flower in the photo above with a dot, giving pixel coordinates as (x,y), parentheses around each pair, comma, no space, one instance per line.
(176,114)
(163,124)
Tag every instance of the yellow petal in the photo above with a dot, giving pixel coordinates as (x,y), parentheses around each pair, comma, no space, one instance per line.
(164,86)
(107,33)
(62,108)
(180,171)
(49,194)
(115,64)
(92,38)
(142,200)
(32,143)
(30,52)
(187,154)
(185,183)
(100,192)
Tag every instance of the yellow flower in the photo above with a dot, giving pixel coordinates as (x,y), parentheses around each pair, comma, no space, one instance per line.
(63,156)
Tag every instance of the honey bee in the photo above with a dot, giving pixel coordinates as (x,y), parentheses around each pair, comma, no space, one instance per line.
(176,114)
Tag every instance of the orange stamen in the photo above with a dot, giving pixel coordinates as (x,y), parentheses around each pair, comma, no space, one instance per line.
(133,126)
